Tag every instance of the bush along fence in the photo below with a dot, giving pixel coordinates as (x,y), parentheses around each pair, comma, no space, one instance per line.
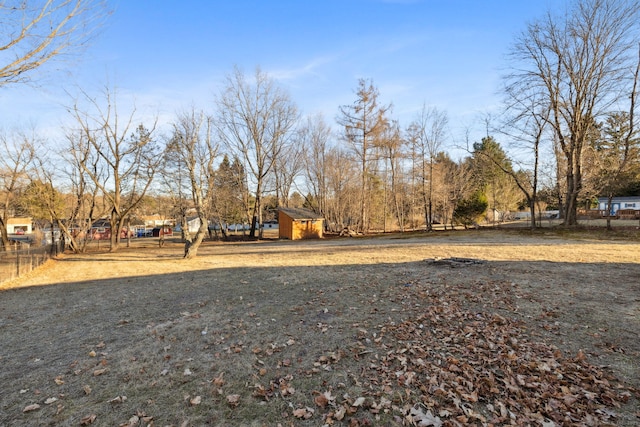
(20,259)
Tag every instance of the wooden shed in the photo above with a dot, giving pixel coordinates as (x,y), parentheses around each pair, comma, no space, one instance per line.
(297,223)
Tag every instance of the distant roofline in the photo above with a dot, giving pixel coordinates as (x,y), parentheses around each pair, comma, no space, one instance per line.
(621,198)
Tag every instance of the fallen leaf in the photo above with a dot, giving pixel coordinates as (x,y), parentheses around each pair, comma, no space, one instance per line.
(321,400)
(340,413)
(424,419)
(50,400)
(358,402)
(304,413)
(132,422)
(89,419)
(195,401)
(118,399)
(86,389)
(233,400)
(324,399)
(218,381)
(99,372)
(32,407)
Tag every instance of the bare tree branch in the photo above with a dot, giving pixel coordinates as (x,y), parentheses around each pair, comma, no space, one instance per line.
(33,33)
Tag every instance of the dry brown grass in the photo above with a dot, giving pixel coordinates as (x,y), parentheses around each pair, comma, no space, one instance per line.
(253,333)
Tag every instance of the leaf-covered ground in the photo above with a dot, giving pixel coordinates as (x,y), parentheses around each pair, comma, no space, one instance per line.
(347,332)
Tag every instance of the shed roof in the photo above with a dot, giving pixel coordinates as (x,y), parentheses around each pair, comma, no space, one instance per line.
(300,214)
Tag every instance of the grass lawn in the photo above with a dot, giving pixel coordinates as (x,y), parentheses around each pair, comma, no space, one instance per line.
(390,330)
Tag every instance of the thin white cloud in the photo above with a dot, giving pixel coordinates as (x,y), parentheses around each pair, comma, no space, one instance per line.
(310,68)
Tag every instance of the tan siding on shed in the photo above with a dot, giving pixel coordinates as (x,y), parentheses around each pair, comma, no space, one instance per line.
(298,224)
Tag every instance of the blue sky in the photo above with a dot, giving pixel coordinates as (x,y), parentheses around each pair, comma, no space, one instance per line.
(170,55)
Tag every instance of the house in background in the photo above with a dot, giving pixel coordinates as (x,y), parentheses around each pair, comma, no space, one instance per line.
(155,226)
(19,225)
(297,223)
(193,225)
(100,230)
(155,221)
(626,204)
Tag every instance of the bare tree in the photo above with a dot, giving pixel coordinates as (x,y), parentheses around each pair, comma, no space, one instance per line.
(579,64)
(363,123)
(343,189)
(63,198)
(254,120)
(287,167)
(416,163)
(36,32)
(616,151)
(427,133)
(391,146)
(120,160)
(314,136)
(175,184)
(330,177)
(18,151)
(450,182)
(193,148)
(84,200)
(228,201)
(526,124)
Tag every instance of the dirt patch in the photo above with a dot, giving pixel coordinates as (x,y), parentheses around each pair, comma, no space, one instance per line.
(360,331)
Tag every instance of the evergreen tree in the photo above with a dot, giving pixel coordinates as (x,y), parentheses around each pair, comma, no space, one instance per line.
(470,209)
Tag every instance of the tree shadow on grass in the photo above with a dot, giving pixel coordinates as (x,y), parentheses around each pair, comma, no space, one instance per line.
(53,339)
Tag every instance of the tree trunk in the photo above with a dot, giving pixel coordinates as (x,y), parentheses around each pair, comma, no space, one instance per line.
(532,212)
(191,246)
(129,232)
(363,200)
(4,235)
(430,206)
(609,211)
(571,199)
(257,208)
(114,238)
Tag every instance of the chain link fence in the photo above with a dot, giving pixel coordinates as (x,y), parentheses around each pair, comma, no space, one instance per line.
(21,258)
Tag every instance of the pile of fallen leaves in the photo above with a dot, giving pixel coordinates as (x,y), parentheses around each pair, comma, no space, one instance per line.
(448,365)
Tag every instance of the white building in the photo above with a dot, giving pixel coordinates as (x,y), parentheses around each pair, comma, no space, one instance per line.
(617,203)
